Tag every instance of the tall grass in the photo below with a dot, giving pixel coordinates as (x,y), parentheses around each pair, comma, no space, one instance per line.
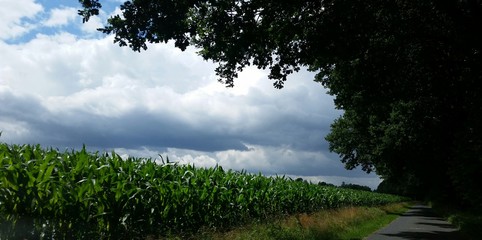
(45,193)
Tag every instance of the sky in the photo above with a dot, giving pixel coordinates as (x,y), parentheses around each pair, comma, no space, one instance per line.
(63,84)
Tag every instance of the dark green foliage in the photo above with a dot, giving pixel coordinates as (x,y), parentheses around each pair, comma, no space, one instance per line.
(325,184)
(411,99)
(406,73)
(81,195)
(355,186)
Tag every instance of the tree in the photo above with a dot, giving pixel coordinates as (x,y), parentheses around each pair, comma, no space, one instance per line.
(355,187)
(406,73)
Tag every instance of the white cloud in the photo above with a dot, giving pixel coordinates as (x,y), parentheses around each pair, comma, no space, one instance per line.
(277,159)
(61,17)
(269,161)
(14,129)
(255,158)
(92,25)
(202,161)
(89,28)
(15,16)
(44,66)
(95,78)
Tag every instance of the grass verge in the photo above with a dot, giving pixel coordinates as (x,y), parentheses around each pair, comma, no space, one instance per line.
(343,223)
(469,222)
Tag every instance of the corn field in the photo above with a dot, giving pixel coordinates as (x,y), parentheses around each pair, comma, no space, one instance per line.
(48,194)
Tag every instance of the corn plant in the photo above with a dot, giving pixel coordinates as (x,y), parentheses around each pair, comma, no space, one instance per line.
(45,193)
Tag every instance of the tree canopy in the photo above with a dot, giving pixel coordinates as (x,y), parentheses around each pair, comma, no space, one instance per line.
(406,73)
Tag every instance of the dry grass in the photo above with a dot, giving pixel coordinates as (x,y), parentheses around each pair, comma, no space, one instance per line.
(343,223)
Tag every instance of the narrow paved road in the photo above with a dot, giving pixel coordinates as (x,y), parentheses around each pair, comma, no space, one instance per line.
(417,223)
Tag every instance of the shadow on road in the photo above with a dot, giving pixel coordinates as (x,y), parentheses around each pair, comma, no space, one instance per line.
(425,235)
(419,222)
(422,211)
(440,225)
